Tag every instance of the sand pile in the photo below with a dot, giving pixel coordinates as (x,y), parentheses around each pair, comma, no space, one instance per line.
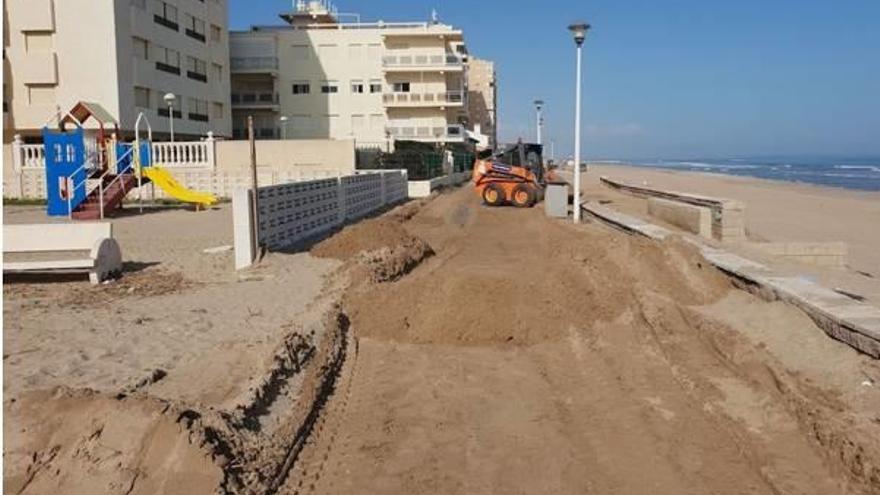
(381,248)
(490,284)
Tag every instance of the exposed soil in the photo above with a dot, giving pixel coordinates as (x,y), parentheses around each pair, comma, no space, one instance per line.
(530,356)
(464,349)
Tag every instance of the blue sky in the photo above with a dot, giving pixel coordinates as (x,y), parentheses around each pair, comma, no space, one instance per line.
(671,78)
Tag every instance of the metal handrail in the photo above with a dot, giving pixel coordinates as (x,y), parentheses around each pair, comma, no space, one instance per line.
(118,176)
(71,188)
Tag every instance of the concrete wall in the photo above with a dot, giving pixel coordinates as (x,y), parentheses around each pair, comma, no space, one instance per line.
(693,219)
(830,254)
(292,213)
(424,188)
(300,154)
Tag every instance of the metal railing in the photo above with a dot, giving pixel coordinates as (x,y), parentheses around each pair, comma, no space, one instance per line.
(422,60)
(253,63)
(424,99)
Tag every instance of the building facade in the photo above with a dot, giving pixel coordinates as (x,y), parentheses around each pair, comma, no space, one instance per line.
(372,82)
(483,99)
(125,55)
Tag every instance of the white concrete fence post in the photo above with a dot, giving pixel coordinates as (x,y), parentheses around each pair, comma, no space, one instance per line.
(210,144)
(17,152)
(242,226)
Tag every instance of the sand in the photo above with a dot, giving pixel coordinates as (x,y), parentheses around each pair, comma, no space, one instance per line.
(530,356)
(443,347)
(776,211)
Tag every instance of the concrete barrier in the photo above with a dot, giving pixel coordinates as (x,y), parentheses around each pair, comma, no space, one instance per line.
(691,218)
(830,254)
(424,188)
(292,213)
(728,216)
(65,240)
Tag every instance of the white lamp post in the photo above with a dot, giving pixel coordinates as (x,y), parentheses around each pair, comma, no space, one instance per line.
(170,98)
(539,105)
(283,120)
(579,31)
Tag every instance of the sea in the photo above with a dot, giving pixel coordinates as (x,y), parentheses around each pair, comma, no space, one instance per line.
(850,173)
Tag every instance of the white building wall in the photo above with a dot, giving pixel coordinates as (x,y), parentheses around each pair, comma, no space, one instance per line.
(63,51)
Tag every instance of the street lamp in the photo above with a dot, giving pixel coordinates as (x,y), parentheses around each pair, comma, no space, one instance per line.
(283,120)
(539,104)
(579,31)
(170,98)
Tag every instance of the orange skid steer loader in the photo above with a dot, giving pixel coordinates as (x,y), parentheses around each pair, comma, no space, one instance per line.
(514,176)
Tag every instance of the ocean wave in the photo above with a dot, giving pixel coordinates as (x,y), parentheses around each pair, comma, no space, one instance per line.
(711,166)
(872,168)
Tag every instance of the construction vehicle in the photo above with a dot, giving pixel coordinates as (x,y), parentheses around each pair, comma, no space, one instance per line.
(513,176)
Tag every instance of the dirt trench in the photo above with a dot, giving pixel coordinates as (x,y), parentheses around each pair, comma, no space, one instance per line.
(531,356)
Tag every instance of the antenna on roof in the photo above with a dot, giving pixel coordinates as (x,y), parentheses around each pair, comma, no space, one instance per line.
(435,17)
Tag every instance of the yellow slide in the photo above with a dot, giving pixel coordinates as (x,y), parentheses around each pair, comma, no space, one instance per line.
(175,189)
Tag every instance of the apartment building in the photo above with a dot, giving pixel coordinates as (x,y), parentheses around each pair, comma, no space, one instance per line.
(316,77)
(125,55)
(483,99)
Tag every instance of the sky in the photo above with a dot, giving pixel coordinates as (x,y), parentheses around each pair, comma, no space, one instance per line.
(670,78)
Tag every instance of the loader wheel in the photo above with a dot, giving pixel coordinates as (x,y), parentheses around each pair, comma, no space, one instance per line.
(523,196)
(493,195)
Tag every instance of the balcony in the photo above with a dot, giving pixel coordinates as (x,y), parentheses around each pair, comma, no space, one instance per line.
(446,134)
(254,65)
(422,62)
(407,100)
(255,100)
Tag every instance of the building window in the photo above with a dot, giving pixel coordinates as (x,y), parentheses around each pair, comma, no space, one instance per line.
(168,60)
(401,87)
(197,110)
(357,87)
(301,88)
(162,110)
(41,94)
(216,33)
(217,110)
(141,48)
(218,71)
(375,86)
(328,87)
(195,28)
(196,69)
(141,97)
(165,14)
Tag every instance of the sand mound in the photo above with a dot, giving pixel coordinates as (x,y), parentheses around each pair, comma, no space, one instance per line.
(381,249)
(486,266)
(102,445)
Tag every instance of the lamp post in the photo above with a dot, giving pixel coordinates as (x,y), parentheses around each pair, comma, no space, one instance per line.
(283,120)
(539,105)
(170,98)
(579,31)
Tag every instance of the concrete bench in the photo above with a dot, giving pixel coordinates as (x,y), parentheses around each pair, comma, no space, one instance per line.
(101,255)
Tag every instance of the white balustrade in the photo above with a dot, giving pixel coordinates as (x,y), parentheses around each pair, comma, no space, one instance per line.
(189,155)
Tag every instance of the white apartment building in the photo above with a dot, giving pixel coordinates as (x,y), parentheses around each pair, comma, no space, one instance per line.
(374,82)
(122,54)
(483,99)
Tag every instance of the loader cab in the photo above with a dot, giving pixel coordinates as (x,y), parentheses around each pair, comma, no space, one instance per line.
(527,155)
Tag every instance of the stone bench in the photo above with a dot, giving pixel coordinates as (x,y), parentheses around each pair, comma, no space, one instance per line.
(64,247)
